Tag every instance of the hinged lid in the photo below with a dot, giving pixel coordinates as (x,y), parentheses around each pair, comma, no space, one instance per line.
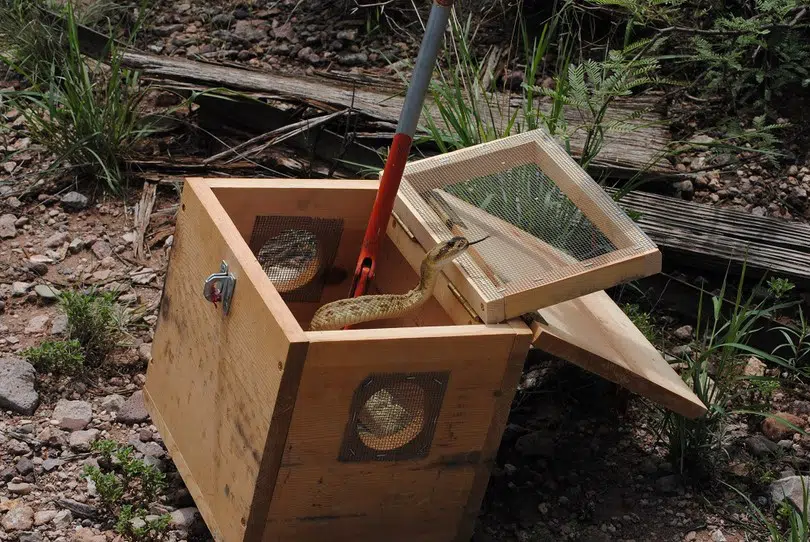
(554,233)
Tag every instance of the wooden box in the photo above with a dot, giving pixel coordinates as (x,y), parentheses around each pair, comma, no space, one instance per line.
(387,431)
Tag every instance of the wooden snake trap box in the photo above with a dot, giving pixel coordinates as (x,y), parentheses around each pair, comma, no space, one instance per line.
(387,430)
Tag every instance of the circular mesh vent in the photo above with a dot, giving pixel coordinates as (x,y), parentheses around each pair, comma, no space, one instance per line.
(392,416)
(291,259)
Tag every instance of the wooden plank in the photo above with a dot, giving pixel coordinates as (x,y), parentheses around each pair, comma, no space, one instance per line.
(319,498)
(704,236)
(594,333)
(214,380)
(623,153)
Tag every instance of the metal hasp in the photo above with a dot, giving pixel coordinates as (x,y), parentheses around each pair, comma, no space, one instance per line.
(219,287)
(401,146)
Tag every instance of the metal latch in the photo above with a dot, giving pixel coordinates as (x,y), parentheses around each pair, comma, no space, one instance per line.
(219,287)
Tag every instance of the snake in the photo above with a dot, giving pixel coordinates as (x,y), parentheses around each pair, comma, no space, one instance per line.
(366,308)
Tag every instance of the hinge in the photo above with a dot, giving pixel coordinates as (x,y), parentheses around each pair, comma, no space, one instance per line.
(464,303)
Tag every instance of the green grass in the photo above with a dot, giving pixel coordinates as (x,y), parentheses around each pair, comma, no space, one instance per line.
(57,357)
(95,321)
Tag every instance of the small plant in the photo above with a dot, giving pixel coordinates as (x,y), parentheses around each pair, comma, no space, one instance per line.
(780,287)
(714,371)
(94,321)
(797,342)
(57,357)
(792,523)
(642,320)
(126,487)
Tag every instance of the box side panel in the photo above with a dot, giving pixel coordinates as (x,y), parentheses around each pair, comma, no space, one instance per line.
(425,497)
(214,379)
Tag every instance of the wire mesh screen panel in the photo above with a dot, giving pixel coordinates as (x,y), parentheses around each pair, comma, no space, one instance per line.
(393,417)
(546,218)
(296,253)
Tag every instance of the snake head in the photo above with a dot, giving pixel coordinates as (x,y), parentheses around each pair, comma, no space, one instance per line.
(445,252)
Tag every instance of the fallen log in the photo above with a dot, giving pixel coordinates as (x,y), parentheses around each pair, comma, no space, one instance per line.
(703,236)
(624,153)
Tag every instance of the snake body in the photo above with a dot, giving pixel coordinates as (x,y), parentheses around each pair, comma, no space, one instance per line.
(346,312)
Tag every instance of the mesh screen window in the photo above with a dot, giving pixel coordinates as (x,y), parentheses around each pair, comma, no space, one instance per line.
(296,253)
(393,417)
(546,218)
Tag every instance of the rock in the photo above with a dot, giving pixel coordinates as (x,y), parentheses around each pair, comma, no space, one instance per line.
(50,464)
(535,444)
(85,534)
(144,276)
(21,488)
(145,352)
(717,536)
(81,441)
(284,31)
(353,59)
(691,536)
(57,240)
(19,289)
(73,201)
(6,475)
(7,228)
(183,518)
(101,249)
(113,403)
(159,464)
(221,20)
(133,410)
(37,324)
(48,293)
(73,415)
(250,30)
(20,518)
(684,189)
(38,263)
(17,392)
(776,430)
(59,325)
(145,435)
(76,245)
(24,466)
(62,519)
(44,516)
(791,488)
(17,447)
(52,437)
(32,536)
(668,483)
(754,367)
(683,333)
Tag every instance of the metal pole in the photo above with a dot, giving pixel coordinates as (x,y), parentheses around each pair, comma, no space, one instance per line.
(401,145)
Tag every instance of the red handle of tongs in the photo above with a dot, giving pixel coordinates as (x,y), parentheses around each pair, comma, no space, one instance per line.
(400,147)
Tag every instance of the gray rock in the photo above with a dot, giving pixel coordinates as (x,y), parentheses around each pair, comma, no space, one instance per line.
(50,464)
(73,201)
(24,466)
(145,352)
(353,59)
(38,263)
(791,488)
(82,441)
(20,518)
(184,518)
(48,293)
(249,30)
(21,488)
(101,249)
(44,516)
(52,437)
(145,435)
(76,245)
(668,483)
(718,536)
(760,446)
(19,289)
(32,536)
(134,410)
(57,240)
(7,228)
(17,392)
(785,444)
(152,461)
(62,519)
(221,20)
(681,351)
(348,35)
(73,415)
(684,189)
(683,333)
(113,403)
(535,444)
(37,324)
(17,447)
(59,325)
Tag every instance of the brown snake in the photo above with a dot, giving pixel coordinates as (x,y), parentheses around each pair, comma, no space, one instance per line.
(346,312)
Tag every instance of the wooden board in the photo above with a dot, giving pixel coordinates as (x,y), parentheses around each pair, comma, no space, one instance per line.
(214,380)
(594,333)
(704,236)
(430,499)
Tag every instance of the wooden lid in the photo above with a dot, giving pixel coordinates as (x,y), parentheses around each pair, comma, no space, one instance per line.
(554,234)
